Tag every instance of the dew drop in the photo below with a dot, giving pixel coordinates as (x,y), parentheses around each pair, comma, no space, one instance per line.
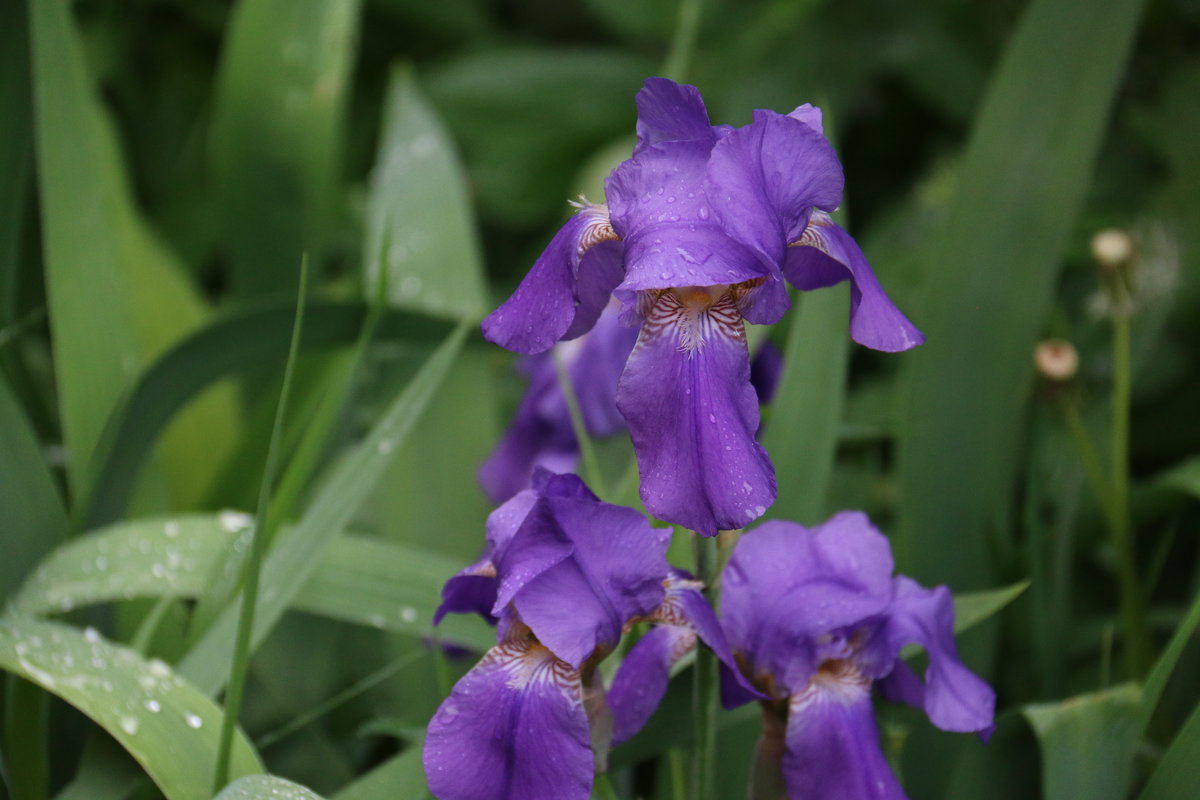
(171,529)
(408,614)
(90,634)
(153,707)
(129,725)
(712,418)
(193,721)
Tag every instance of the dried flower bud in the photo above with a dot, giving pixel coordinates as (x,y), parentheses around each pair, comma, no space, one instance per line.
(1056,359)
(1112,248)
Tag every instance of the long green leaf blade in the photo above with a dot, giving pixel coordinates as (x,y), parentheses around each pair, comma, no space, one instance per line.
(276,132)
(420,206)
(164,722)
(992,272)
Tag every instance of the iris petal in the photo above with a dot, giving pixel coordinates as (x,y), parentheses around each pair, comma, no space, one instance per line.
(955,699)
(692,414)
(514,728)
(826,255)
(833,745)
(543,308)
(764,180)
(668,111)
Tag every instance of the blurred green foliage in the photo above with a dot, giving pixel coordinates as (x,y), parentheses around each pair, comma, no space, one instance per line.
(165,163)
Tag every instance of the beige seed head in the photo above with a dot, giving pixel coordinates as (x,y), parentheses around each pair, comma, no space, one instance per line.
(1056,359)
(1112,248)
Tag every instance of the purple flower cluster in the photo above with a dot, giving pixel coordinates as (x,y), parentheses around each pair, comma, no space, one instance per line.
(816,619)
(704,227)
(563,575)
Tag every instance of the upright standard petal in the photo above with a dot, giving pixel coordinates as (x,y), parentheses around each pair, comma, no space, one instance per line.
(668,111)
(543,308)
(833,744)
(824,255)
(692,414)
(670,233)
(787,586)
(764,180)
(514,728)
(578,569)
(954,698)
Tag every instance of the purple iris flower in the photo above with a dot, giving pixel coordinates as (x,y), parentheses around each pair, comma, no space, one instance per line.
(564,575)
(815,618)
(702,227)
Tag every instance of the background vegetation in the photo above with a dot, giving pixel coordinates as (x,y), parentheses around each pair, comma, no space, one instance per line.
(164,165)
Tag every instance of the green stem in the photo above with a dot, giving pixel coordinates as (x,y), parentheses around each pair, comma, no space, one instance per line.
(683,43)
(253,566)
(704,765)
(591,466)
(603,789)
(1090,457)
(1132,603)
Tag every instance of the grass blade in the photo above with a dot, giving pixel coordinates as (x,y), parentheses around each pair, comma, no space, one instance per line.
(264,525)
(250,339)
(299,549)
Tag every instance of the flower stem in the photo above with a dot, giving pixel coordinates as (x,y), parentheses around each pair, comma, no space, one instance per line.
(603,789)
(704,766)
(1132,603)
(591,466)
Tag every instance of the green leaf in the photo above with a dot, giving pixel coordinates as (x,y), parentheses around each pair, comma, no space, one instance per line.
(33,514)
(1160,673)
(361,580)
(400,777)
(524,125)
(168,726)
(265,787)
(298,550)
(801,435)
(16,148)
(1088,743)
(391,586)
(991,275)
(419,206)
(276,133)
(972,608)
(154,557)
(1178,774)
(105,271)
(1183,477)
(249,339)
